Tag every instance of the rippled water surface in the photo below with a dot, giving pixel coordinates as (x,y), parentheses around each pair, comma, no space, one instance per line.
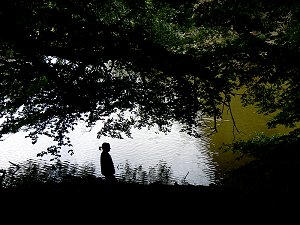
(187,157)
(192,160)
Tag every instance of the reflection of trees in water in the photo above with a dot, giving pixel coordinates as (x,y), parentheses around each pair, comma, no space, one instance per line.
(35,172)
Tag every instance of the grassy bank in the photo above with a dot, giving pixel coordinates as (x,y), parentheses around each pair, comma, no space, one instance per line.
(266,186)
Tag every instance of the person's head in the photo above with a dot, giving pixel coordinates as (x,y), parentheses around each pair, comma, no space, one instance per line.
(105,147)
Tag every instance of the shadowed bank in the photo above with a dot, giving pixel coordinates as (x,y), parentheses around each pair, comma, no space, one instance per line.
(97,194)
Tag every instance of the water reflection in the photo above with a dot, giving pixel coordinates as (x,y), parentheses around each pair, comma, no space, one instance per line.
(182,157)
(248,122)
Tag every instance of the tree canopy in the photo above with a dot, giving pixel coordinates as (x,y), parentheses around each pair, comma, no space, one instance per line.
(144,63)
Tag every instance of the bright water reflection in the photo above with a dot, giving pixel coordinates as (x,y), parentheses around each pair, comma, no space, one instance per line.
(187,158)
(195,160)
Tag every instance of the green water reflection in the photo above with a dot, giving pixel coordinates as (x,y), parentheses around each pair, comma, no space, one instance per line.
(249,122)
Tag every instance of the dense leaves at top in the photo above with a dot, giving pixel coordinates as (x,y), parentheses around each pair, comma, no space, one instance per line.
(144,63)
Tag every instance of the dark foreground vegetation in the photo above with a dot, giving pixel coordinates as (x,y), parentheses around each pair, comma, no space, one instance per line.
(265,186)
(134,64)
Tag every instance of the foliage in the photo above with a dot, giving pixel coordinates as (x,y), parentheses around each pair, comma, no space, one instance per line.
(262,55)
(144,63)
(262,146)
(161,173)
(62,174)
(31,173)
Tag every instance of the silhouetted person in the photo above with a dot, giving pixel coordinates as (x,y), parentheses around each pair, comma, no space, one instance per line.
(106,162)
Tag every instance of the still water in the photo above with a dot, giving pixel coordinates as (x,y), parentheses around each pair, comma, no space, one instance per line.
(192,160)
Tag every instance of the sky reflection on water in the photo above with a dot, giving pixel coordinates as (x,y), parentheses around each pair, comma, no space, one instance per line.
(186,156)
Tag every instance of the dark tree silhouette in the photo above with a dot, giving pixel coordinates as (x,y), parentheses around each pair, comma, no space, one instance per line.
(144,63)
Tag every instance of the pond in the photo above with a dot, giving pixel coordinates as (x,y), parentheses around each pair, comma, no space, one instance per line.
(184,158)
